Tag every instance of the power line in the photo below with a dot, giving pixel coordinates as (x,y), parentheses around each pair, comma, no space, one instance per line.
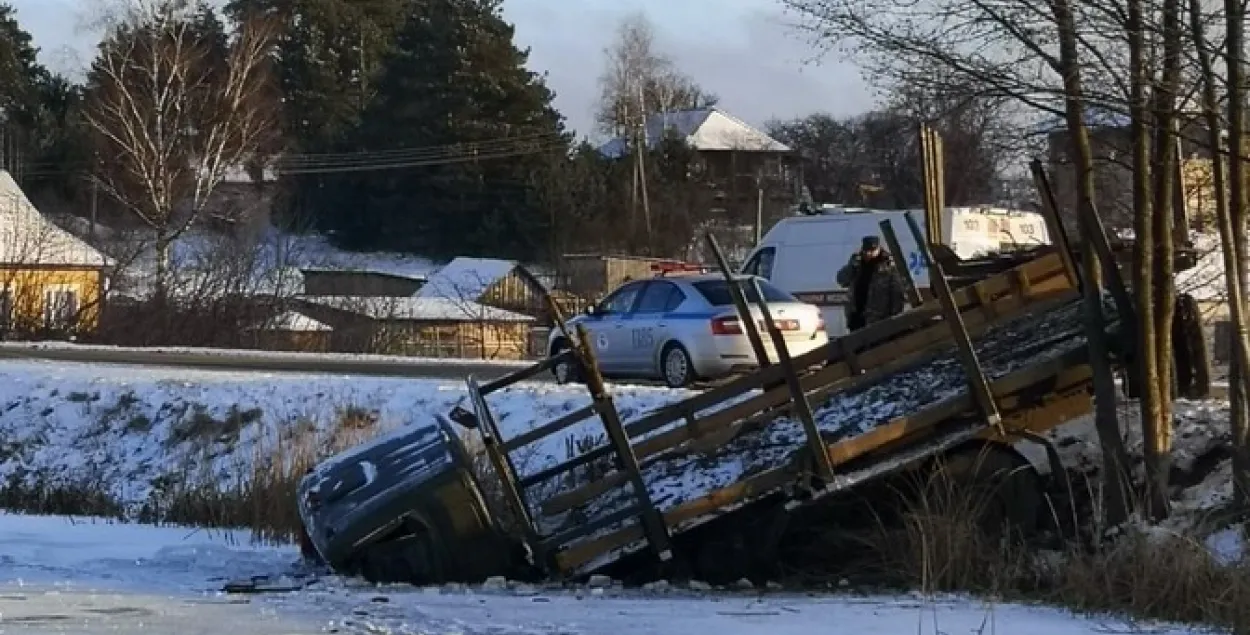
(381,160)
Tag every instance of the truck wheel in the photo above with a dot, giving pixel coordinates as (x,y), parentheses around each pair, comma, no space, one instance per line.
(1002,485)
(675,366)
(306,548)
(412,557)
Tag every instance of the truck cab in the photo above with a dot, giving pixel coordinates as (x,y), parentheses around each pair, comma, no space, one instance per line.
(405,507)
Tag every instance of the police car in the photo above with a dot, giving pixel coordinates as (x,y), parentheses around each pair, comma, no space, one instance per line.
(682,329)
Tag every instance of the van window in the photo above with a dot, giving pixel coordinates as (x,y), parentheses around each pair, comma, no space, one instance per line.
(717,293)
(761,264)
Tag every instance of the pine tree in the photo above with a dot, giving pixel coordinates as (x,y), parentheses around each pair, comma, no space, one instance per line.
(41,114)
(328,54)
(455,77)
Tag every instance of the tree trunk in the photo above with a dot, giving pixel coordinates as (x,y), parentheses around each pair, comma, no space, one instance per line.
(1233,249)
(164,258)
(1106,418)
(1235,41)
(1157,420)
(1144,212)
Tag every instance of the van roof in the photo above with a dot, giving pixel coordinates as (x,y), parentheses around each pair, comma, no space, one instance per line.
(832,210)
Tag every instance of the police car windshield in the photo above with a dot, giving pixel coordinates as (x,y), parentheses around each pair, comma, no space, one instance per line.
(717,292)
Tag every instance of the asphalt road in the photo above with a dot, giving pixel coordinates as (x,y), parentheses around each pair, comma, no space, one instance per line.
(259,361)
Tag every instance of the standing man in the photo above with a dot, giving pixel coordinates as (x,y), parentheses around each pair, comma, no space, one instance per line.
(876,292)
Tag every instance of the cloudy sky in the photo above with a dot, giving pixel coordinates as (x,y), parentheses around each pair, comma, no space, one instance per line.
(741,50)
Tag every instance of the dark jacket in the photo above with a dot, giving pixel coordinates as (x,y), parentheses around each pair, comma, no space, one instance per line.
(884,290)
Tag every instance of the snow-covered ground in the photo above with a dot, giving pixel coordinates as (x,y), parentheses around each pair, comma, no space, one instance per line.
(86,576)
(129,427)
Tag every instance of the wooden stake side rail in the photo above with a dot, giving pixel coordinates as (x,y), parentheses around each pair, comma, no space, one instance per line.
(1031,281)
(1038,398)
(908,351)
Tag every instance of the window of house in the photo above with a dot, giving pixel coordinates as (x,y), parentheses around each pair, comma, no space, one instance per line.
(60,307)
(6,310)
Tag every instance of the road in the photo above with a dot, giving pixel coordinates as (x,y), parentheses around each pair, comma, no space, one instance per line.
(263,361)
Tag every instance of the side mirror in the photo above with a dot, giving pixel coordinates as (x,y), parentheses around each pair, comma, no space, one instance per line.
(463,417)
(590,309)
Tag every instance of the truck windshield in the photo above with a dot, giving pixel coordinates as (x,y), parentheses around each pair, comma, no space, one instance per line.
(717,292)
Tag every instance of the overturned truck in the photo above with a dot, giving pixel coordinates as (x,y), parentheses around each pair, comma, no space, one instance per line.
(974,369)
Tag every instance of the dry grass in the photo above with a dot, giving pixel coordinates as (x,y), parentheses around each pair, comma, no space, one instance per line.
(263,497)
(936,543)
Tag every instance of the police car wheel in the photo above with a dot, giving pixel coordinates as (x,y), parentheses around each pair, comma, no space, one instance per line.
(566,371)
(676,367)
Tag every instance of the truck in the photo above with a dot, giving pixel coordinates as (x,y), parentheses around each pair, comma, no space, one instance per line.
(971,370)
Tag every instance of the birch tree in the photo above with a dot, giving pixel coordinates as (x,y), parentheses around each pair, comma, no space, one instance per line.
(174,105)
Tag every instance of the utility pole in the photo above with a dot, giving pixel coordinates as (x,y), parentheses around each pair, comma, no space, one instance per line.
(95,204)
(759,206)
(642,166)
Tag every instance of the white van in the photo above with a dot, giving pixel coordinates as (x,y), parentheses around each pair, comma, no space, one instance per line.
(802,254)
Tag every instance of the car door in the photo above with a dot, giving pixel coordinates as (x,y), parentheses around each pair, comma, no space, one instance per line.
(606,327)
(648,327)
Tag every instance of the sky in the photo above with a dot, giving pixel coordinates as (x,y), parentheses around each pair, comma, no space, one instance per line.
(744,51)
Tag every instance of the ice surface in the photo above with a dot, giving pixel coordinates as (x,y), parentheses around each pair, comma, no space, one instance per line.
(138,579)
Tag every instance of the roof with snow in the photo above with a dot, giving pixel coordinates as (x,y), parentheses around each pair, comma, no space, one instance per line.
(705,130)
(364,271)
(466,278)
(417,309)
(296,322)
(28,238)
(1205,280)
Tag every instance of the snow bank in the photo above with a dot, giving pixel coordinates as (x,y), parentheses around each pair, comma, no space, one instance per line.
(129,429)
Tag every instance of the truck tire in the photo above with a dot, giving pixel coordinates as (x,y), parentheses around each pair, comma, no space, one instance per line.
(412,556)
(1005,488)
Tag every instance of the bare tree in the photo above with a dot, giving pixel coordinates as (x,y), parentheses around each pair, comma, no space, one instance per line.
(1056,57)
(1235,57)
(639,81)
(173,109)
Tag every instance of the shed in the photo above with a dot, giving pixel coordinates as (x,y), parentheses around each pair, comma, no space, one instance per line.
(359,283)
(503,284)
(594,275)
(50,280)
(422,327)
(292,331)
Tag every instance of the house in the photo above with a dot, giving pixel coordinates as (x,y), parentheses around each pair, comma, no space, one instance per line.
(503,284)
(420,326)
(245,191)
(51,282)
(749,171)
(1111,144)
(359,283)
(292,331)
